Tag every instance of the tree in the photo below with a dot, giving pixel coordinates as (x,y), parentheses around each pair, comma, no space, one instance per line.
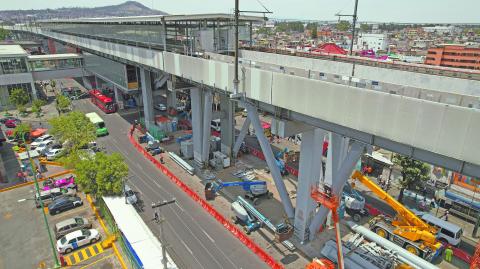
(343,26)
(63,103)
(4,34)
(413,172)
(21,130)
(37,106)
(19,97)
(364,27)
(53,83)
(74,128)
(313,29)
(101,174)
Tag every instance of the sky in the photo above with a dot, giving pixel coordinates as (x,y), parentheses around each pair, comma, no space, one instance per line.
(414,11)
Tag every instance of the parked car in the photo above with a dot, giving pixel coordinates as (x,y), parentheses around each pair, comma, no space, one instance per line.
(44,146)
(3,120)
(63,204)
(215,125)
(63,183)
(77,239)
(70,225)
(52,154)
(11,123)
(161,107)
(47,196)
(130,196)
(40,140)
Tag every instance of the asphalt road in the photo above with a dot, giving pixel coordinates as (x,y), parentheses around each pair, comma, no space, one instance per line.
(195,239)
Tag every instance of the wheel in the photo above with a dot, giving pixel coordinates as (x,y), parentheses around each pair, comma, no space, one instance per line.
(412,249)
(381,232)
(68,250)
(93,240)
(256,201)
(357,217)
(57,211)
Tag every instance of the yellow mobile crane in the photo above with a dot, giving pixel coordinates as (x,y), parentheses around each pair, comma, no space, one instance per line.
(406,229)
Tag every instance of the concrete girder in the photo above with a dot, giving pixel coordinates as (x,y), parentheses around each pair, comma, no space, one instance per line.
(268,153)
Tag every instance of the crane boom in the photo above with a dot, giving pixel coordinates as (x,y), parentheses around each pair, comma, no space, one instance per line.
(407,224)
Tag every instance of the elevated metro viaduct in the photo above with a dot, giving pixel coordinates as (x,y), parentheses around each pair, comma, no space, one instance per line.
(434,118)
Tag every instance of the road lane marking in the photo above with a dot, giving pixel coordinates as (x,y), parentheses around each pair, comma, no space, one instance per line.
(185,245)
(211,239)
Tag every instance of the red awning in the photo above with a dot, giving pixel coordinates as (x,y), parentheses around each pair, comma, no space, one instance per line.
(38,132)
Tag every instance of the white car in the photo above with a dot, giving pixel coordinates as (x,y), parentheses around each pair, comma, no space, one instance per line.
(52,154)
(130,196)
(40,140)
(44,146)
(161,107)
(77,239)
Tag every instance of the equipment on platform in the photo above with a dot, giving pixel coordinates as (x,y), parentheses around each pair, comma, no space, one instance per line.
(280,162)
(354,203)
(406,229)
(320,264)
(248,215)
(253,189)
(219,160)
(154,144)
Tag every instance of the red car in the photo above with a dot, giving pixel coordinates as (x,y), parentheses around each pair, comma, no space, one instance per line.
(11,123)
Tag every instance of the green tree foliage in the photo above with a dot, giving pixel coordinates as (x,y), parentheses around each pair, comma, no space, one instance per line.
(63,103)
(413,173)
(365,27)
(343,26)
(4,34)
(101,174)
(19,97)
(21,129)
(313,29)
(294,26)
(73,127)
(37,106)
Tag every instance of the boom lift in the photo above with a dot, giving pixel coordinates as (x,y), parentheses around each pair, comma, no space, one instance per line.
(406,229)
(253,189)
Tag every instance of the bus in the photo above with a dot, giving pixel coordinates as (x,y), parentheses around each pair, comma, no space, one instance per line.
(103,102)
(98,122)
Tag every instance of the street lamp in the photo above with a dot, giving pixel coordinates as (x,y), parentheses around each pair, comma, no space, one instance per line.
(37,189)
(160,221)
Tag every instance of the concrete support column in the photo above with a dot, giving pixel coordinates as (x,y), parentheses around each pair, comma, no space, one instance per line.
(226,124)
(310,174)
(171,94)
(207,118)
(341,161)
(96,82)
(118,98)
(197,123)
(34,90)
(267,152)
(146,80)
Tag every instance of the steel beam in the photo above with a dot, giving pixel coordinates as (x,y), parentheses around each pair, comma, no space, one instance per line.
(267,152)
(241,136)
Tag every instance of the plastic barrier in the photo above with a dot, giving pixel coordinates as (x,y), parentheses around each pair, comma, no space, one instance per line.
(264,256)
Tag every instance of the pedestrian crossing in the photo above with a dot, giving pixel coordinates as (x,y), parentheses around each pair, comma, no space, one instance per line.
(83,254)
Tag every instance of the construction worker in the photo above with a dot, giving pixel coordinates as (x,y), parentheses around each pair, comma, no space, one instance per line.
(449,254)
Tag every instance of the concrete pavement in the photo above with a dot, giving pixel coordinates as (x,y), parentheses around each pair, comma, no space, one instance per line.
(195,239)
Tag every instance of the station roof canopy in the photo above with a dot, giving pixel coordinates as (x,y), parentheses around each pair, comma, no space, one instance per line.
(54,56)
(158,19)
(12,51)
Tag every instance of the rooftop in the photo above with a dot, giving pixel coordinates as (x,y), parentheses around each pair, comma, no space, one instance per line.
(12,51)
(159,18)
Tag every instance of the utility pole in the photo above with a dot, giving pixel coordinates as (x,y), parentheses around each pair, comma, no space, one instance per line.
(37,189)
(160,221)
(354,24)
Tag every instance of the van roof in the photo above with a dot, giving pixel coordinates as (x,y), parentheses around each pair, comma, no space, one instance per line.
(442,223)
(65,223)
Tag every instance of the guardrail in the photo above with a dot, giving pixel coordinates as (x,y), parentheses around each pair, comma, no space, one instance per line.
(262,254)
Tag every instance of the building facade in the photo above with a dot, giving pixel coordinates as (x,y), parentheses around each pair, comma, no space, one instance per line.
(373,42)
(458,56)
(14,73)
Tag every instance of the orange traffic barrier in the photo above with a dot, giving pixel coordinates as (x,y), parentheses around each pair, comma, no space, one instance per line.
(262,254)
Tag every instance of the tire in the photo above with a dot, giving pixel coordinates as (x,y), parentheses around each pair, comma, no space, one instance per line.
(68,250)
(412,249)
(381,232)
(93,241)
(357,217)
(57,211)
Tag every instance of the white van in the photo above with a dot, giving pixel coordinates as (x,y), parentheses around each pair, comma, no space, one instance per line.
(215,125)
(447,231)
